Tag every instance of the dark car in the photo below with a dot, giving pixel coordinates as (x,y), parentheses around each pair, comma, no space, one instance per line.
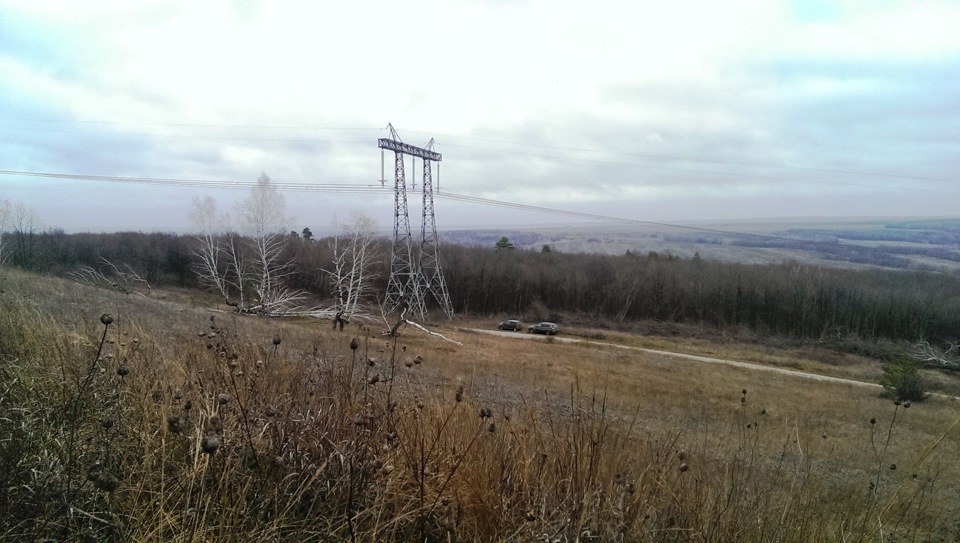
(548,328)
(511,324)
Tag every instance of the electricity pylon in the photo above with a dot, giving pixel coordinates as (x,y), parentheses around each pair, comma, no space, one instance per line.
(411,278)
(430,272)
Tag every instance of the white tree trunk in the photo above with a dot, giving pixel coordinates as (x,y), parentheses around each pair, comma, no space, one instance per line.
(354,253)
(263,213)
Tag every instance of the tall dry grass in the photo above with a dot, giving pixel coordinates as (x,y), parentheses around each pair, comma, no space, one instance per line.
(175,423)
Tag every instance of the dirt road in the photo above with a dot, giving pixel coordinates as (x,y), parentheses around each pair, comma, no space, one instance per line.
(698,358)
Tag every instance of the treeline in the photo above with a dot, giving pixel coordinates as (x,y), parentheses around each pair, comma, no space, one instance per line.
(161,259)
(788,299)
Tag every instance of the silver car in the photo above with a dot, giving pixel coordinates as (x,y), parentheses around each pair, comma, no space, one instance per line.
(547,328)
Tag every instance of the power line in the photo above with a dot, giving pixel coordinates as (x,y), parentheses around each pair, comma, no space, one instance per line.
(182,136)
(674,158)
(374,189)
(689,159)
(203,183)
(191,125)
(737,175)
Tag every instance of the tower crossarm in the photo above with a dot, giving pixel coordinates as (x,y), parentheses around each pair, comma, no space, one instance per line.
(407,149)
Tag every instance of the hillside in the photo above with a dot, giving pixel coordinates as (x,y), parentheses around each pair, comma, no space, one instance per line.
(168,420)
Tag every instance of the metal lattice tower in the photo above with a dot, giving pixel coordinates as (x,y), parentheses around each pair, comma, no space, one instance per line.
(410,279)
(430,272)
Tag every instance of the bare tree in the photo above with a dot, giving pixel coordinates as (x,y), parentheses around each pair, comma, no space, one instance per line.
(931,356)
(121,277)
(354,253)
(263,214)
(247,271)
(212,267)
(6,211)
(25,224)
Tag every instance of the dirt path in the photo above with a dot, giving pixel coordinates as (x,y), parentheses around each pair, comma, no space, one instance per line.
(698,358)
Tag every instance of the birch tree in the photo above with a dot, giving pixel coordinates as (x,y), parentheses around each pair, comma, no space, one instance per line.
(248,270)
(355,252)
(214,266)
(263,215)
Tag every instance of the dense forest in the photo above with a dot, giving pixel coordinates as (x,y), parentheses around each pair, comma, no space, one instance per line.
(787,299)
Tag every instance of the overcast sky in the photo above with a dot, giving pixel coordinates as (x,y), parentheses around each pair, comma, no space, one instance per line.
(657,111)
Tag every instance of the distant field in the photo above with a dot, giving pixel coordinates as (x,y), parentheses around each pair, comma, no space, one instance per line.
(932,244)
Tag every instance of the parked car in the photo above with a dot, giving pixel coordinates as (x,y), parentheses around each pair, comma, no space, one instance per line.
(511,324)
(548,328)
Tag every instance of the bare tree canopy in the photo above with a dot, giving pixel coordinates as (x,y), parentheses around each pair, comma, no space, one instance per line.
(19,226)
(263,212)
(931,356)
(247,271)
(6,210)
(354,253)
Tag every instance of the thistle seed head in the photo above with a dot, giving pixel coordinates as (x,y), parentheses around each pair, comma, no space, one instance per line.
(106,319)
(214,425)
(106,482)
(176,424)
(210,444)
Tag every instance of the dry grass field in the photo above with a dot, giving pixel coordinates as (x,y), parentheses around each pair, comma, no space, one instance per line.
(172,421)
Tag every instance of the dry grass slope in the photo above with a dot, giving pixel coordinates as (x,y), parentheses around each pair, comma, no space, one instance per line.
(170,422)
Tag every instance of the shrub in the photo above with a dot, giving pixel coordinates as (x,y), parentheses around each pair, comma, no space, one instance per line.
(902,379)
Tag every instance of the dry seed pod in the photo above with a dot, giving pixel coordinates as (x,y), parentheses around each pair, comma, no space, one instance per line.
(214,425)
(210,444)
